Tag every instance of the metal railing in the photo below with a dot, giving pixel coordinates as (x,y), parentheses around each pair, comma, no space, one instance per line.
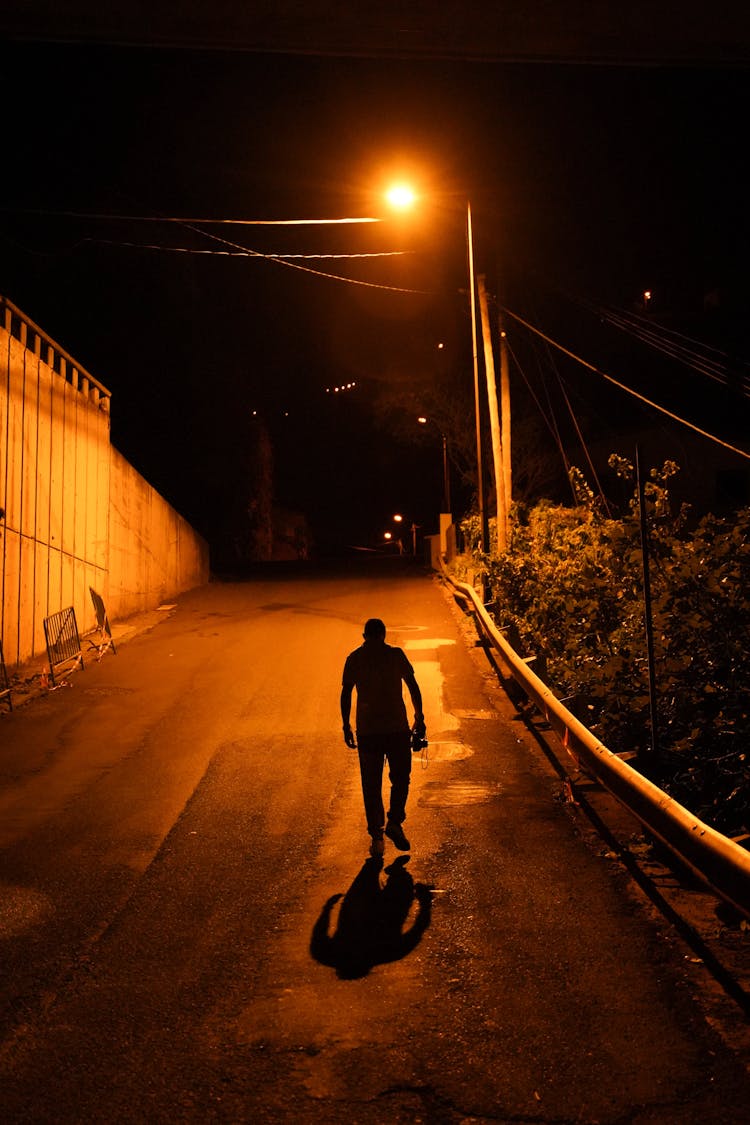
(31,336)
(63,643)
(721,864)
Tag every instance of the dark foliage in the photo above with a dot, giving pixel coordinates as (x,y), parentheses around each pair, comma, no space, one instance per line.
(571,587)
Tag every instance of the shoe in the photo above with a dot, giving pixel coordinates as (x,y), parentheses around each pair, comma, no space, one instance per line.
(377,847)
(395,833)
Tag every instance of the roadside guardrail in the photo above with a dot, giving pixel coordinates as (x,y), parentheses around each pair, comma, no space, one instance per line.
(721,864)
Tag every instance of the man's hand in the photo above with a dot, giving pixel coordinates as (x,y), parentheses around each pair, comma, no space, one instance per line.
(418,734)
(349,737)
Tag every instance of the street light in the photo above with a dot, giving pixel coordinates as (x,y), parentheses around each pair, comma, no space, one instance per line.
(446,477)
(483,529)
(401,196)
(398,518)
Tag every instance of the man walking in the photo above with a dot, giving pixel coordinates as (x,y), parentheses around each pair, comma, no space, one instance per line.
(377,671)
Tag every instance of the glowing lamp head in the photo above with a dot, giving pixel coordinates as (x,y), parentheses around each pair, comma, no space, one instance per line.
(401,196)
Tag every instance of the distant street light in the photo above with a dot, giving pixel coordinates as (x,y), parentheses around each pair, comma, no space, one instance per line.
(446,476)
(398,518)
(341,388)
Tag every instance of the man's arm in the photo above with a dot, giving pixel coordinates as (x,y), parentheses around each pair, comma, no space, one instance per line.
(346,710)
(416,698)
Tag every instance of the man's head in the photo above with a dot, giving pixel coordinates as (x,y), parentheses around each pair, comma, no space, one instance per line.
(374,630)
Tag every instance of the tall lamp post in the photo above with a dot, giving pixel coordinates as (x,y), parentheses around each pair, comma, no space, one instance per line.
(483,527)
(401,196)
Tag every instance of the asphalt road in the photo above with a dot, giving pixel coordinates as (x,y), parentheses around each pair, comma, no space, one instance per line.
(191,930)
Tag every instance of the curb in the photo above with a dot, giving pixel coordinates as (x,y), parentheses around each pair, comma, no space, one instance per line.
(28,680)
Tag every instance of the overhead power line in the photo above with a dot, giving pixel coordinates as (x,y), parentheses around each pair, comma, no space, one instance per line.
(240,253)
(297,266)
(705,360)
(624,387)
(237,250)
(178,219)
(551,419)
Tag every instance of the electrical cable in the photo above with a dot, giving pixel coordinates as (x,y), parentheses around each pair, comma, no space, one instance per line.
(297,266)
(688,357)
(578,430)
(624,387)
(550,423)
(238,253)
(581,438)
(177,219)
(576,425)
(691,353)
(551,419)
(189,224)
(553,414)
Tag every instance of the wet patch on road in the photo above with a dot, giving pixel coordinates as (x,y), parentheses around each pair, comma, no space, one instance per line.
(459,714)
(453,793)
(447,751)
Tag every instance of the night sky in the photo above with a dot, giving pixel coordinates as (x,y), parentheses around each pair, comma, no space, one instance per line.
(588,185)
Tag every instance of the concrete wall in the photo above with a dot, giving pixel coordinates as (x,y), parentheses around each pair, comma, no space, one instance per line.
(153,552)
(76,514)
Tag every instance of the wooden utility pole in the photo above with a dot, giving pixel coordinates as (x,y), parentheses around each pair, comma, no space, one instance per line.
(497,445)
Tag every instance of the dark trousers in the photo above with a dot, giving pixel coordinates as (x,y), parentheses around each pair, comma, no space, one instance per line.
(374,751)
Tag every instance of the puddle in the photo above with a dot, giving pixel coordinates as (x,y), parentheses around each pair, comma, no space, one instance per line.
(459,714)
(448,751)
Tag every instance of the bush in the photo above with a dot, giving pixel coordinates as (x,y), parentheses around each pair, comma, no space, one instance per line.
(570,588)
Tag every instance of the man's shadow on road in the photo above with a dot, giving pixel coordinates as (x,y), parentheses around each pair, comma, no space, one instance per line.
(370,927)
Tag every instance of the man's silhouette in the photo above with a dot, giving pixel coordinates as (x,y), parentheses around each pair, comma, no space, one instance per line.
(377,671)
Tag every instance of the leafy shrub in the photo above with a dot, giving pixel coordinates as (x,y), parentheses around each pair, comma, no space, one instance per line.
(570,590)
